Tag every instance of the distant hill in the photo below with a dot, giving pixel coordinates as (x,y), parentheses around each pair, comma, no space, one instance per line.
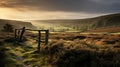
(16,24)
(101,22)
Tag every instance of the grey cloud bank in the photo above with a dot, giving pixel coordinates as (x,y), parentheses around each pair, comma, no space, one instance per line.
(88,6)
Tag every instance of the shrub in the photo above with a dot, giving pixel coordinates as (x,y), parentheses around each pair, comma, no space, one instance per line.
(8,28)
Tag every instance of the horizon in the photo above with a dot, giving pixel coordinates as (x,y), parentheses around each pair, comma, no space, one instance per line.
(56,9)
(58,18)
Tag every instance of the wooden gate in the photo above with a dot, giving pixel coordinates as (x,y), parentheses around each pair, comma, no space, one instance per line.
(19,35)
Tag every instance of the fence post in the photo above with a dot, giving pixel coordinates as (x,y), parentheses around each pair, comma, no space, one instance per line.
(46,37)
(22,32)
(15,34)
(39,40)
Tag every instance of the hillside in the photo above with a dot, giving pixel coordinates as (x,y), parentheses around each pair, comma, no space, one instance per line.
(16,24)
(102,22)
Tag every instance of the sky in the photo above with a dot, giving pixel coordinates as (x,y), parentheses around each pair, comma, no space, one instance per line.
(56,9)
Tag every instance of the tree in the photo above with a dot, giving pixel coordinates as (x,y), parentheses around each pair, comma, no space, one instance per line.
(8,28)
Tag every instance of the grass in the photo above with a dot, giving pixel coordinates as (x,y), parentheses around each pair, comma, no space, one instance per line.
(21,55)
(63,50)
(82,57)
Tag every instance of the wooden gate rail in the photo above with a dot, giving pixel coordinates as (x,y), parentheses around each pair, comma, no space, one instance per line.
(19,34)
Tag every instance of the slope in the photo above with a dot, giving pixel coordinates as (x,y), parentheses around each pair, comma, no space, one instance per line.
(107,21)
(16,24)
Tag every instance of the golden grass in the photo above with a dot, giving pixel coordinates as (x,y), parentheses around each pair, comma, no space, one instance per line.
(67,50)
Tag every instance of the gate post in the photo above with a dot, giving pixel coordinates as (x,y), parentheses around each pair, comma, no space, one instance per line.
(46,37)
(15,34)
(22,32)
(39,40)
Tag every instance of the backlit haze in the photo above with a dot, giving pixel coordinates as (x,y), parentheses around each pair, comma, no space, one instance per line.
(56,9)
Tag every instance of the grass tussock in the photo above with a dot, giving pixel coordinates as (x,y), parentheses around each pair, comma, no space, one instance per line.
(80,54)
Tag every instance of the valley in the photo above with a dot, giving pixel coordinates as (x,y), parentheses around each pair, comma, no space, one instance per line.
(81,25)
(93,42)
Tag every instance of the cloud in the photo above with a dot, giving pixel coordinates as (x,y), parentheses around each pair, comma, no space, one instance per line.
(88,6)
